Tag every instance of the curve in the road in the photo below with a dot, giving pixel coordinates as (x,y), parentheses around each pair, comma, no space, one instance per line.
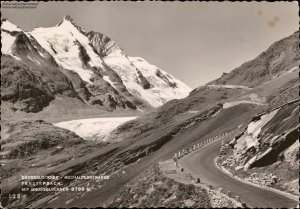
(201,164)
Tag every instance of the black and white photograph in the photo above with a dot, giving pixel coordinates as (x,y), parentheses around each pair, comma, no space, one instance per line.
(148,104)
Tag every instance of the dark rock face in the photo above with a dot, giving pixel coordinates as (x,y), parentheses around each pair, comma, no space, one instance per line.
(102,92)
(78,84)
(29,87)
(83,54)
(22,44)
(277,148)
(142,80)
(21,88)
(118,96)
(102,44)
(165,79)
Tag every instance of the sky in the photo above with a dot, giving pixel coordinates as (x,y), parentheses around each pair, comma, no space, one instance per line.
(194,41)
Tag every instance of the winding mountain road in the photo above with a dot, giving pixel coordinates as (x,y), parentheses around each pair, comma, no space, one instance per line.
(201,164)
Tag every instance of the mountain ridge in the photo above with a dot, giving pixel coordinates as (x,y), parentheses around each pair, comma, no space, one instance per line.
(277,58)
(97,68)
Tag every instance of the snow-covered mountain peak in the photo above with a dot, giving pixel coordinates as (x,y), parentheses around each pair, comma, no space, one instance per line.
(68,17)
(8,26)
(105,75)
(68,44)
(68,22)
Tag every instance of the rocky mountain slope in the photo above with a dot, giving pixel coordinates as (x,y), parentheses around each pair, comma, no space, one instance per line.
(66,60)
(24,139)
(266,137)
(281,57)
(266,151)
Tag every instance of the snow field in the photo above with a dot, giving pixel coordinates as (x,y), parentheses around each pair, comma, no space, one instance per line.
(93,128)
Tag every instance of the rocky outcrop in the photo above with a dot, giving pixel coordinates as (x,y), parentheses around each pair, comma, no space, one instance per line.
(267,137)
(263,179)
(265,152)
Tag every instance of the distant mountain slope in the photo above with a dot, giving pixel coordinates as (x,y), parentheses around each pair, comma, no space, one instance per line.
(279,58)
(95,69)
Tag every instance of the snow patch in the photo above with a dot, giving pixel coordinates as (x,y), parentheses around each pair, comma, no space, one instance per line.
(286,72)
(107,79)
(140,110)
(229,86)
(293,69)
(40,53)
(17,58)
(6,25)
(7,41)
(233,103)
(193,111)
(37,62)
(94,128)
(248,99)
